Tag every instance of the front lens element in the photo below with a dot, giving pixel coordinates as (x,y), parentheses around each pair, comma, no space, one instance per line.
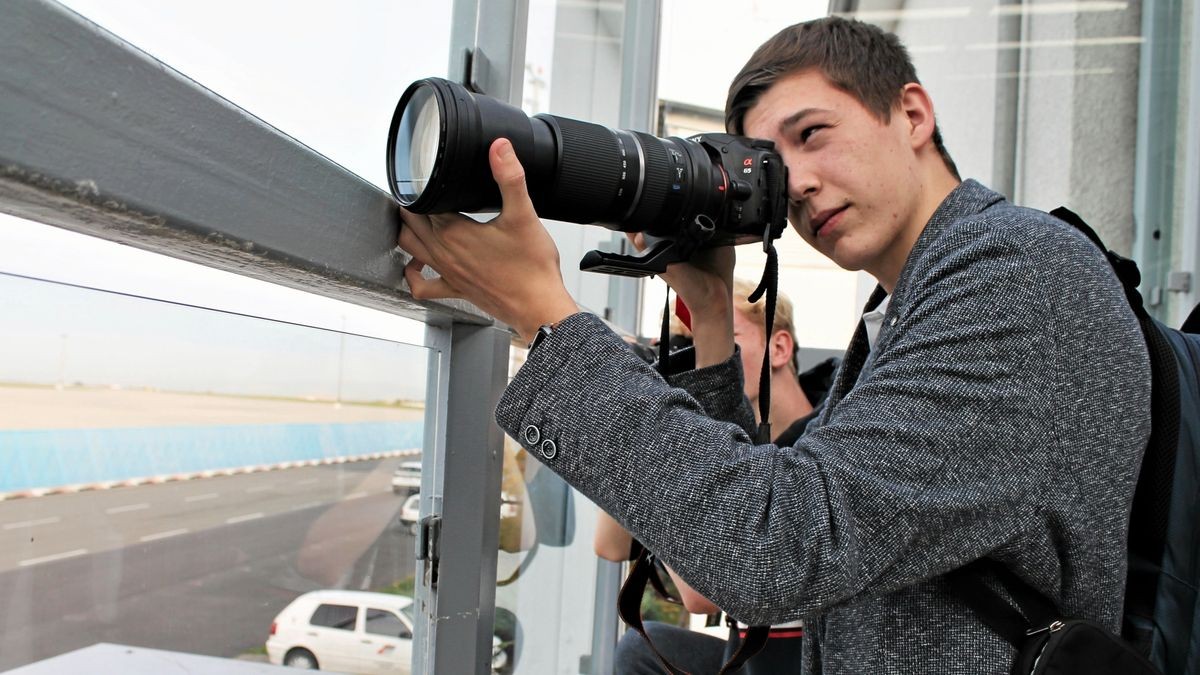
(418,140)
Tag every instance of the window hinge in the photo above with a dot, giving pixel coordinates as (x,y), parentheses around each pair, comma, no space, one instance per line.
(473,66)
(1179,282)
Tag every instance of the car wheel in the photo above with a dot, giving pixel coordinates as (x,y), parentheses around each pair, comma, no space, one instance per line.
(300,658)
(414,528)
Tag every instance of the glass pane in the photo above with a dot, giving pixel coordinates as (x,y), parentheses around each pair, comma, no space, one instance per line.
(1060,103)
(199,481)
(693,82)
(327,73)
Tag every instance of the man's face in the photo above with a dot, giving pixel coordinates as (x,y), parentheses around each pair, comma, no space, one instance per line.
(748,334)
(853,187)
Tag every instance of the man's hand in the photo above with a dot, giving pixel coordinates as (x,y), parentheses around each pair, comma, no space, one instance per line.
(507,267)
(705,283)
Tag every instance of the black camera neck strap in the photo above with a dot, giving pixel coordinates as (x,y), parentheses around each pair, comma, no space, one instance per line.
(769,285)
(643,571)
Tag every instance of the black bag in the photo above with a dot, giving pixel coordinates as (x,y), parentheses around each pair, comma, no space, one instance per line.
(1047,643)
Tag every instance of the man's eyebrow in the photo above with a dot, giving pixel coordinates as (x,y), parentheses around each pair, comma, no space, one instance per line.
(796,117)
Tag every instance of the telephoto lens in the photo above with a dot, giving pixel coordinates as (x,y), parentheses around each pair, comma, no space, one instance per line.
(708,190)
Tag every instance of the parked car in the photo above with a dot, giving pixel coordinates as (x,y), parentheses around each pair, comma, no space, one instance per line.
(353,632)
(406,478)
(347,631)
(410,512)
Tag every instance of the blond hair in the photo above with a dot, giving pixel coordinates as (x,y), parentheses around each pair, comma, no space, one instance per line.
(742,288)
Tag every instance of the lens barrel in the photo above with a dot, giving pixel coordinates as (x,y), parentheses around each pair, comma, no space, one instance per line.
(576,171)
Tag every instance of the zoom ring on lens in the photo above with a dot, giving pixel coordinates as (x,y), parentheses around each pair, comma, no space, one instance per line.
(647,214)
(589,172)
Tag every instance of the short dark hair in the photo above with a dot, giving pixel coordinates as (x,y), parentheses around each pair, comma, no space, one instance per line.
(862,60)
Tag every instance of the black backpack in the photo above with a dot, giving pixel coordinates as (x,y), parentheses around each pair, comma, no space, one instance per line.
(1161,596)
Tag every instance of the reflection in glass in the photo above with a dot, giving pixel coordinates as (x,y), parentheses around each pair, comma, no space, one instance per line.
(196,481)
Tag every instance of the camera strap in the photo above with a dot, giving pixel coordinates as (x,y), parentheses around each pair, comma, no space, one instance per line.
(643,571)
(770,286)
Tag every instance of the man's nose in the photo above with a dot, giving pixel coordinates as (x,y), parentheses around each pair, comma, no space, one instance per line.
(802,184)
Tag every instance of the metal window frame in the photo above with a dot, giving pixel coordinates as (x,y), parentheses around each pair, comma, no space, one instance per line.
(104,139)
(1189,223)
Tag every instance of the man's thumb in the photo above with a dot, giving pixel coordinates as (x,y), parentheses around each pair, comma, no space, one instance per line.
(510,177)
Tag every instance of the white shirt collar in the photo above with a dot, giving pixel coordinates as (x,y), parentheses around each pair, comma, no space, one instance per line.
(873,320)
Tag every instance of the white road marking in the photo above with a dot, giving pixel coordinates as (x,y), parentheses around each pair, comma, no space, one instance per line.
(306,505)
(200,498)
(51,558)
(32,523)
(308,481)
(241,519)
(164,535)
(259,488)
(355,495)
(127,508)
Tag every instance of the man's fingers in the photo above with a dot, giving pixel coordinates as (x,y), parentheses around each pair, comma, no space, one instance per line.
(427,289)
(412,242)
(510,177)
(637,239)
(418,223)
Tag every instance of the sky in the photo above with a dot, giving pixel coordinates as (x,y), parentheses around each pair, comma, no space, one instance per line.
(329,75)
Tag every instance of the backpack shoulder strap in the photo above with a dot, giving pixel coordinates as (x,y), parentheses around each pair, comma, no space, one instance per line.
(969,584)
(1192,323)
(1127,270)
(1156,479)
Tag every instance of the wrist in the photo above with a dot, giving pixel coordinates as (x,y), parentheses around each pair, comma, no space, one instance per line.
(551,316)
(712,333)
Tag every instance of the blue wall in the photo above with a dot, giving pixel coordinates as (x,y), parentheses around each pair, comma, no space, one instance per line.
(51,457)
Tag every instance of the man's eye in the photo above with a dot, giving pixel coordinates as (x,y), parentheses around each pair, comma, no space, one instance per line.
(809,131)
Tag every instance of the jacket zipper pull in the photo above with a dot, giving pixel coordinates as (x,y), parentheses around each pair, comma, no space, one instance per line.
(1054,627)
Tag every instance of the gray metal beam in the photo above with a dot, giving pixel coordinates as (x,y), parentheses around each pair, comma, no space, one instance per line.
(97,136)
(463,598)
(456,593)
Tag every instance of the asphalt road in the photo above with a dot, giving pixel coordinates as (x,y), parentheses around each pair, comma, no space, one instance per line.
(201,566)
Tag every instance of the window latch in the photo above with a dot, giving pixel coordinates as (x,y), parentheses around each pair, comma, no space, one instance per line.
(429,535)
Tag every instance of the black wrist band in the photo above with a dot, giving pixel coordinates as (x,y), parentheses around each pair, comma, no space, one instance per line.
(542,333)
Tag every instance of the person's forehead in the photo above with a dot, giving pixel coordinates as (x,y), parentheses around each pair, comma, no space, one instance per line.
(794,96)
(743,320)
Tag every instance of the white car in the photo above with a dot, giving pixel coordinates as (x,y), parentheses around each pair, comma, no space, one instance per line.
(353,632)
(347,631)
(407,477)
(410,512)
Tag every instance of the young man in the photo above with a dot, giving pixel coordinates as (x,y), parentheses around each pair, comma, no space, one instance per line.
(998,409)
(695,652)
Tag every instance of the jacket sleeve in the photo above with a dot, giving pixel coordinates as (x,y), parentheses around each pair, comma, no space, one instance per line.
(935,457)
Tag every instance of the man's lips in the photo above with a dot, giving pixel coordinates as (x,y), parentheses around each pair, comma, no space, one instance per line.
(819,221)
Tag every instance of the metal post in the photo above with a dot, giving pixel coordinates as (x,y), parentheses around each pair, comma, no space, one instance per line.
(457,579)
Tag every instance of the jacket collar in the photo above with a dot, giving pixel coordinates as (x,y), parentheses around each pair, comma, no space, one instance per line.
(968,199)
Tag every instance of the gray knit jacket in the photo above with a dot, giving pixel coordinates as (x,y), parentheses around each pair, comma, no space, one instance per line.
(1001,413)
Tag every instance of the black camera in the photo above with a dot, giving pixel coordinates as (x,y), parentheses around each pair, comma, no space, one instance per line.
(684,194)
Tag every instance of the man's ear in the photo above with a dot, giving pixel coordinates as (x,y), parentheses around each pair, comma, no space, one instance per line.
(782,347)
(917,108)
